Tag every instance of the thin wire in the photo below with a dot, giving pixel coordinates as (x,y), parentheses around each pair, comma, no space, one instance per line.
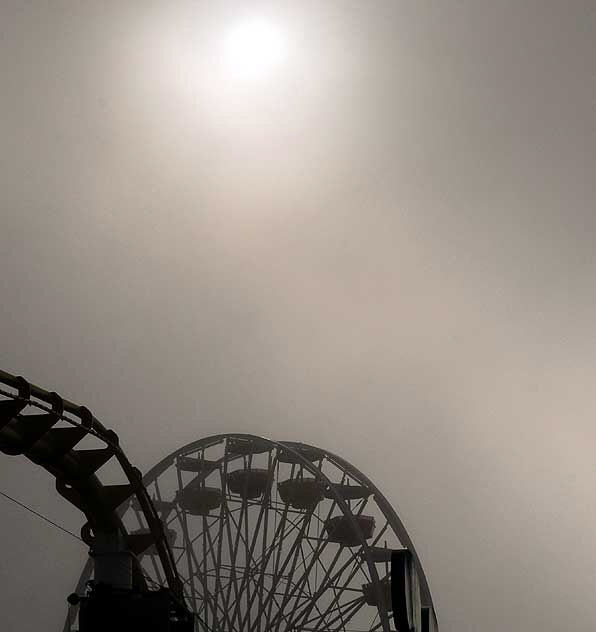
(39,515)
(74,535)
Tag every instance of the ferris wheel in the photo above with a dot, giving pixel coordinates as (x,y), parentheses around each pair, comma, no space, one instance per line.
(278,537)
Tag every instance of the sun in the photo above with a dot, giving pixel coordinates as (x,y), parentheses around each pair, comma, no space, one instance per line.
(254,48)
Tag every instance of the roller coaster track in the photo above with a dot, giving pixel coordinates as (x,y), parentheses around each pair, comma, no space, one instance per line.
(47,429)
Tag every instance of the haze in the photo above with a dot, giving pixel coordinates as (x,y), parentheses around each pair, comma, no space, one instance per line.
(385,247)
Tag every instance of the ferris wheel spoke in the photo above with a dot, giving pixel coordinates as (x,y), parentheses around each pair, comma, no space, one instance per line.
(291,585)
(357,567)
(209,552)
(250,561)
(295,593)
(202,533)
(338,594)
(233,543)
(306,592)
(340,607)
(303,563)
(314,552)
(234,582)
(310,591)
(276,602)
(223,515)
(197,574)
(247,554)
(273,468)
(328,581)
(196,596)
(344,616)
(374,621)
(249,547)
(295,557)
(263,560)
(280,535)
(361,506)
(172,519)
(202,577)
(225,590)
(201,572)
(358,505)
(250,566)
(279,570)
(321,546)
(202,569)
(275,551)
(333,609)
(309,605)
(182,553)
(234,557)
(227,581)
(376,627)
(263,564)
(185,536)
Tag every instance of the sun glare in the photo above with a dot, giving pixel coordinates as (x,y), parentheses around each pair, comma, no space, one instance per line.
(253,49)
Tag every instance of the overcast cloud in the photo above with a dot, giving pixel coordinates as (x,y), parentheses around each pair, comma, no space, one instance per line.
(386,248)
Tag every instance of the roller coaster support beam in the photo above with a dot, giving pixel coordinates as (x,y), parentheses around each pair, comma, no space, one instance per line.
(119,599)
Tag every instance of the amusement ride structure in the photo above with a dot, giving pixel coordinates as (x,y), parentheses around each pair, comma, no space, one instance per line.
(231,533)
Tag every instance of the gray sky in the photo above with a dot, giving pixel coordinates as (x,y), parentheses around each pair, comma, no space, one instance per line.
(385,247)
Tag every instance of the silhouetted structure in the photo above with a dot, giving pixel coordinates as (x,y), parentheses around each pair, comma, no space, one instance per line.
(229,533)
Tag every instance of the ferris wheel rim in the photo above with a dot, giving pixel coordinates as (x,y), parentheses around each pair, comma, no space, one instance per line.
(387,508)
(384,504)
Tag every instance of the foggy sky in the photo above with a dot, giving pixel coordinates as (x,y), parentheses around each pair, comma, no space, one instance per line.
(386,248)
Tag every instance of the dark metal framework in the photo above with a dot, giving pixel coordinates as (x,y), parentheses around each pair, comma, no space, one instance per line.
(276,537)
(70,443)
